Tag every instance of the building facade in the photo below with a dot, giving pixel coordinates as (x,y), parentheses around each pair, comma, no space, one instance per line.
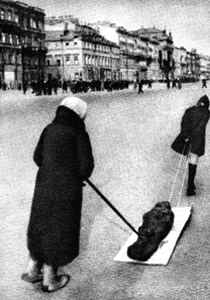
(162,65)
(146,53)
(81,53)
(22,42)
(78,50)
(134,54)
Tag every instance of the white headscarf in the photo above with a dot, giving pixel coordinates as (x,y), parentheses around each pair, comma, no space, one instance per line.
(77,105)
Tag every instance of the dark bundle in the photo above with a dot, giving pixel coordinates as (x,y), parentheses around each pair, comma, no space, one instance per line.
(156,225)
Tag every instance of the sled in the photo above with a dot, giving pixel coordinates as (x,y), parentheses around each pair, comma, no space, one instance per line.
(166,247)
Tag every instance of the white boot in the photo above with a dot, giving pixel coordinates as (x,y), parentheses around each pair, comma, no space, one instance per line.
(32,273)
(52,282)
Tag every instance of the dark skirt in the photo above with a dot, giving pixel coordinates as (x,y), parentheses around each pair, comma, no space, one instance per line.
(180,146)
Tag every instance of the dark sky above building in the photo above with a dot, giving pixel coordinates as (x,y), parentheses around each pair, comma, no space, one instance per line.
(188,20)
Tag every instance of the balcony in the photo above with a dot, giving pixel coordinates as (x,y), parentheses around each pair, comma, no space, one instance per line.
(9,26)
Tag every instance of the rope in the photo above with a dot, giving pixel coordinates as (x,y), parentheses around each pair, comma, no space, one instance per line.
(180,194)
(177,172)
(185,171)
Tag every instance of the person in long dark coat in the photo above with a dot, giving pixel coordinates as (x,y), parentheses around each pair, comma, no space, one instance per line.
(140,85)
(191,140)
(204,83)
(65,160)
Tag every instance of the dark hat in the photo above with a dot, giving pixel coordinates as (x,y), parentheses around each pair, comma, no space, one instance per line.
(205,100)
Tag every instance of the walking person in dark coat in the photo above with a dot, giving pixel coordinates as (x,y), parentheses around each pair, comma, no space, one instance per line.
(204,83)
(168,83)
(140,87)
(65,160)
(25,85)
(193,129)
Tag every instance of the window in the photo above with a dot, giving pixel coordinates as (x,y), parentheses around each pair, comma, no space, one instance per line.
(23,40)
(67,44)
(29,40)
(58,62)
(68,60)
(16,18)
(48,62)
(31,22)
(39,24)
(36,62)
(10,39)
(3,38)
(76,60)
(9,15)
(17,40)
(75,43)
(2,13)
(9,57)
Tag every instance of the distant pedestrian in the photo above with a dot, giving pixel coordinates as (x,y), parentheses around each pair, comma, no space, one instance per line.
(140,85)
(134,85)
(150,84)
(49,86)
(25,85)
(204,83)
(65,86)
(168,83)
(4,86)
(179,84)
(65,161)
(191,140)
(55,85)
(174,83)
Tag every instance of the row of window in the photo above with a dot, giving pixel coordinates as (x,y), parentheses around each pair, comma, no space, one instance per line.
(88,60)
(86,45)
(9,15)
(10,57)
(97,47)
(100,61)
(6,38)
(30,22)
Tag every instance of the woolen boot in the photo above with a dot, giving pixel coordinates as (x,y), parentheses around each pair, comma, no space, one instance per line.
(33,272)
(191,176)
(52,282)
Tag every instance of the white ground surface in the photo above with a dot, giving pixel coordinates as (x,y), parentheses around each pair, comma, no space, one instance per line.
(131,136)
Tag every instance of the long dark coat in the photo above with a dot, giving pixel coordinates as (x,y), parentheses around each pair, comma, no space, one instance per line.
(193,127)
(65,160)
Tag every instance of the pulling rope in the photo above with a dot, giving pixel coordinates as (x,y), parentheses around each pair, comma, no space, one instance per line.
(185,171)
(177,172)
(180,194)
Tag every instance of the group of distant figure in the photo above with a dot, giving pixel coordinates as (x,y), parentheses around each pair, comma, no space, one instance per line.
(174,83)
(51,86)
(76,86)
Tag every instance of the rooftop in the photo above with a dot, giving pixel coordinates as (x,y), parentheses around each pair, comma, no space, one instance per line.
(58,35)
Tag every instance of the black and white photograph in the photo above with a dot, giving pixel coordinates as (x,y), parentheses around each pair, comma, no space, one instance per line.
(105,150)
